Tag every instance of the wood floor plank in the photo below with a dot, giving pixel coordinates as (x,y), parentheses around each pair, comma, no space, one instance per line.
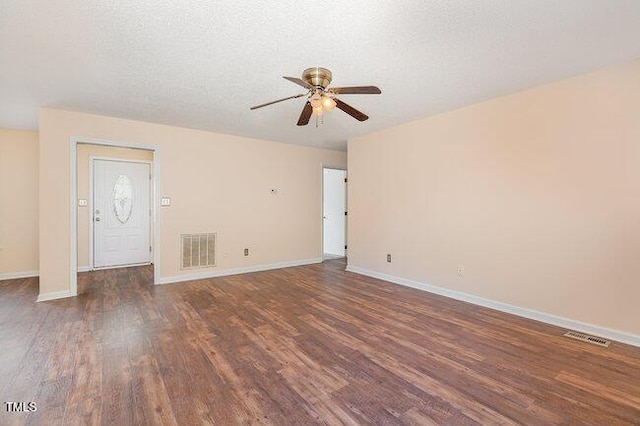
(301,346)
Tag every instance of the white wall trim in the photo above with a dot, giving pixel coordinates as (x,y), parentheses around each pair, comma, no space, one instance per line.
(18,275)
(567,323)
(54,295)
(236,271)
(84,268)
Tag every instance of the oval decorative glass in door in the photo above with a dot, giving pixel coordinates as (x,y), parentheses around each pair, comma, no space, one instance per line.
(123,198)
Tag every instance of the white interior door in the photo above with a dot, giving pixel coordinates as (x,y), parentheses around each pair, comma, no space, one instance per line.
(334,209)
(121,212)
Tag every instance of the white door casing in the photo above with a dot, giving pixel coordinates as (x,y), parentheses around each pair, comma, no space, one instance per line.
(334,209)
(121,213)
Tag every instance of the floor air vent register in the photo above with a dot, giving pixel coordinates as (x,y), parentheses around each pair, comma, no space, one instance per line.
(589,339)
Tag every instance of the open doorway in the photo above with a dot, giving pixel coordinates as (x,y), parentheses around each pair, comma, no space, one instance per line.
(334,213)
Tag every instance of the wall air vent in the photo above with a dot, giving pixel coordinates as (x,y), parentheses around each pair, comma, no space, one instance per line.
(589,339)
(198,250)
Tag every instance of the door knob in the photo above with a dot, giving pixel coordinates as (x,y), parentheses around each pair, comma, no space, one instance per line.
(97,219)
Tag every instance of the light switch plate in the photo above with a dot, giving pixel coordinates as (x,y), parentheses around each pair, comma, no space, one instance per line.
(165,201)
(82,202)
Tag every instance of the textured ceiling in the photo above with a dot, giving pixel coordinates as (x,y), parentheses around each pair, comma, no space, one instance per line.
(203,64)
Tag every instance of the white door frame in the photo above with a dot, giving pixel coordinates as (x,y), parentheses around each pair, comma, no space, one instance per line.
(92,158)
(73,203)
(322,167)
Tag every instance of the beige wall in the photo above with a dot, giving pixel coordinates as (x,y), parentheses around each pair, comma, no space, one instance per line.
(217,183)
(18,202)
(537,194)
(84,154)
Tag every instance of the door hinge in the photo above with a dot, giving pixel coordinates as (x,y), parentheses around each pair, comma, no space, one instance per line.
(150,249)
(345,213)
(345,246)
(345,180)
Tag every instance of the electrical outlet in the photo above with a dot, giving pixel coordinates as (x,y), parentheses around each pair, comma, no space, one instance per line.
(460,270)
(388,258)
(246,252)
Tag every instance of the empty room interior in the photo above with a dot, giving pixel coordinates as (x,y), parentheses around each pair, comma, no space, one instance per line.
(296,213)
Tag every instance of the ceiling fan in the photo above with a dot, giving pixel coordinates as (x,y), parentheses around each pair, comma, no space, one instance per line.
(321,98)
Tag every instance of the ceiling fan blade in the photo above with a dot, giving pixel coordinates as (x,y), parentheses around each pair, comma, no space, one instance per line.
(305,115)
(351,110)
(275,102)
(299,82)
(356,90)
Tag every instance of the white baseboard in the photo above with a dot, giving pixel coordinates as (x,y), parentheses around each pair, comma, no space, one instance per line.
(17,275)
(43,297)
(31,274)
(236,271)
(567,323)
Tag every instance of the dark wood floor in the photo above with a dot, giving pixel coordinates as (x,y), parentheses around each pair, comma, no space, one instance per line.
(302,346)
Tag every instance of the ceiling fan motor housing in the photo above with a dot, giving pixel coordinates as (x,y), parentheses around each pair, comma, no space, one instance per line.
(317,76)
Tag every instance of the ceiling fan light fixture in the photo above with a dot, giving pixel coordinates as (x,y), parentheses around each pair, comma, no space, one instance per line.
(327,103)
(316,101)
(317,110)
